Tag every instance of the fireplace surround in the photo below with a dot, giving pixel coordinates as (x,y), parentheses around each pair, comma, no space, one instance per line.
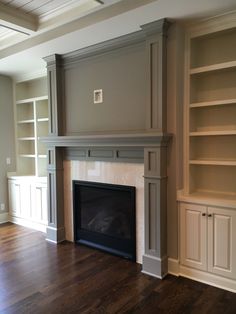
(144,142)
(118,173)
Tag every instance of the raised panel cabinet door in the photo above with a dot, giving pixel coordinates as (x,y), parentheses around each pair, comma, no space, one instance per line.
(15,198)
(193,233)
(221,241)
(25,199)
(14,195)
(39,202)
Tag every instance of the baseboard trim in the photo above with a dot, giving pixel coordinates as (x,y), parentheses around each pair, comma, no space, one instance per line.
(173,266)
(4,217)
(55,235)
(155,266)
(208,278)
(151,274)
(28,224)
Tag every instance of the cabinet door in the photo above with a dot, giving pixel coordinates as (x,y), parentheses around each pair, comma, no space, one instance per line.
(19,198)
(25,198)
(221,241)
(193,232)
(39,202)
(14,189)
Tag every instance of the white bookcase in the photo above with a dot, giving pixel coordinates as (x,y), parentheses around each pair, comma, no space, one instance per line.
(31,124)
(210,151)
(211,115)
(28,186)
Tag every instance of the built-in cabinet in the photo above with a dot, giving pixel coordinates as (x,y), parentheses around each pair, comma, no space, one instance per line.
(28,186)
(207,235)
(208,198)
(28,201)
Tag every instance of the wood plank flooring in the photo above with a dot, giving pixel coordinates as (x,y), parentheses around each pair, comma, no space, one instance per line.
(40,277)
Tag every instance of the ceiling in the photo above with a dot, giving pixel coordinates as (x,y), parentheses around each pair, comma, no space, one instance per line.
(33,29)
(21,19)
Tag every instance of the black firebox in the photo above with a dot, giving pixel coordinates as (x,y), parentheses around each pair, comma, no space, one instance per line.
(104,217)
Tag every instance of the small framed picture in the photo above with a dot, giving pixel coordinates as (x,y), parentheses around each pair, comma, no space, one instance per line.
(97,96)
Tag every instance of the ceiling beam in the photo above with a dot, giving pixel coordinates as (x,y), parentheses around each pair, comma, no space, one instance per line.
(17,20)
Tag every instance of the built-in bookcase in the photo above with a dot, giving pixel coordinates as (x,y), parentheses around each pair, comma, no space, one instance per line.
(210,162)
(28,186)
(208,200)
(31,124)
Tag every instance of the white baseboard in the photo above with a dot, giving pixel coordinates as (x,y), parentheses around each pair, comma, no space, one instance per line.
(29,224)
(4,217)
(173,266)
(208,278)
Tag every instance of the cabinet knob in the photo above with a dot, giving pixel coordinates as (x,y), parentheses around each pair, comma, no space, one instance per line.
(204,214)
(209,215)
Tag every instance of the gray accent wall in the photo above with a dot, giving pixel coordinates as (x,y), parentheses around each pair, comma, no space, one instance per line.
(121,75)
(7,136)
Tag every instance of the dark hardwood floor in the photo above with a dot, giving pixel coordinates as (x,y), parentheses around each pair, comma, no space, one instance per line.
(40,277)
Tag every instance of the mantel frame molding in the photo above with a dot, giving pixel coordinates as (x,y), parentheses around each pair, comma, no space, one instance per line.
(148,146)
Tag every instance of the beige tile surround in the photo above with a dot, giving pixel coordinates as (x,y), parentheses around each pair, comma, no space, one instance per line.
(106,172)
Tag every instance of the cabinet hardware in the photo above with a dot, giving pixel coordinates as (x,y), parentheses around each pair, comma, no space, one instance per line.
(209,215)
(204,214)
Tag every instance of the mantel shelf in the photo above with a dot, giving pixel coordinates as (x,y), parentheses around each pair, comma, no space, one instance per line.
(110,140)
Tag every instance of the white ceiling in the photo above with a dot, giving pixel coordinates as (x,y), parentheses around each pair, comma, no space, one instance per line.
(23,19)
(72,30)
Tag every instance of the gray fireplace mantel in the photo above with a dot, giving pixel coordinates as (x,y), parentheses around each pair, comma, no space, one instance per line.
(134,139)
(148,146)
(107,147)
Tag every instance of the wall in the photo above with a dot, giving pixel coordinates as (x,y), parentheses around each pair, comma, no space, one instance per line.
(7,137)
(121,75)
(175,79)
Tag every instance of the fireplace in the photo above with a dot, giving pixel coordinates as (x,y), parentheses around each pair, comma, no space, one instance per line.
(104,217)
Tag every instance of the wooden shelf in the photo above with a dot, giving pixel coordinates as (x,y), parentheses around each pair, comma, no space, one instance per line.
(213,103)
(25,121)
(214,67)
(27,155)
(31,100)
(214,195)
(43,120)
(209,198)
(26,138)
(213,133)
(214,162)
